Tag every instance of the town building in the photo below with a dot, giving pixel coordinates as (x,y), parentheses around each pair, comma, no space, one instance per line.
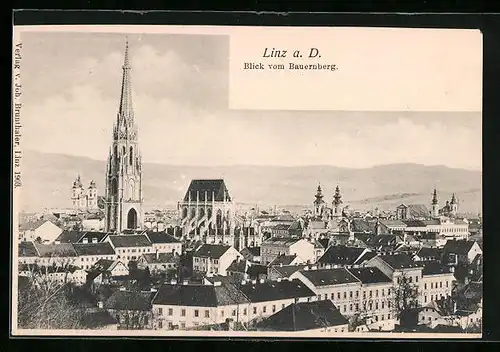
(437,282)
(130,247)
(460,252)
(164,243)
(274,247)
(123,196)
(214,258)
(159,262)
(42,231)
(341,256)
(91,253)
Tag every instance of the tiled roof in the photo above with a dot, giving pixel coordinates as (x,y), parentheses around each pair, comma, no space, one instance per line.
(69,236)
(400,261)
(369,275)
(329,277)
(129,300)
(458,246)
(130,241)
(89,235)
(214,251)
(27,249)
(103,265)
(275,291)
(55,250)
(362,225)
(324,242)
(427,252)
(103,248)
(304,316)
(161,237)
(161,258)
(238,266)
(287,270)
(341,255)
(33,225)
(418,210)
(365,257)
(284,241)
(205,188)
(199,295)
(251,251)
(435,268)
(283,260)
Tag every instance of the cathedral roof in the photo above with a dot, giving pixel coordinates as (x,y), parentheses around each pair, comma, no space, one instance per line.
(206,190)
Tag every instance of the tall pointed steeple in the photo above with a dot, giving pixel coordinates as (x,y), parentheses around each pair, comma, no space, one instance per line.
(125,117)
(453,199)
(337,201)
(434,197)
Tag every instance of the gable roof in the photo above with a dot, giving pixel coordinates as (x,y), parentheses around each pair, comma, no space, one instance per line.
(214,251)
(275,291)
(251,251)
(435,268)
(369,275)
(304,316)
(237,266)
(400,261)
(199,295)
(55,250)
(33,225)
(104,265)
(287,270)
(103,248)
(428,252)
(329,277)
(129,300)
(130,241)
(458,246)
(206,190)
(341,255)
(161,237)
(283,260)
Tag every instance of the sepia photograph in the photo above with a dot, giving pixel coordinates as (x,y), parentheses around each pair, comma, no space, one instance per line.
(166,182)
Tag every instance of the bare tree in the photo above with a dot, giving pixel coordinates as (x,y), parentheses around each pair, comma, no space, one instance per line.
(134,319)
(405,296)
(44,302)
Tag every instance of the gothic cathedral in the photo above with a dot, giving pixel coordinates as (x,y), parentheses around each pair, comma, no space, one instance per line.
(123,195)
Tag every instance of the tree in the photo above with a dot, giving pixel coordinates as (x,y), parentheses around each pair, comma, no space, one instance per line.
(405,298)
(45,303)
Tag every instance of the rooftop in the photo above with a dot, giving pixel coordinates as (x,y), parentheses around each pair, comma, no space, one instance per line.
(283,260)
(369,275)
(400,261)
(207,190)
(27,249)
(329,277)
(103,248)
(55,250)
(341,255)
(214,251)
(275,291)
(130,241)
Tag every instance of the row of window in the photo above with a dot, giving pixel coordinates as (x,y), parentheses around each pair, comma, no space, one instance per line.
(355,307)
(134,250)
(205,260)
(355,294)
(206,313)
(213,270)
(435,285)
(410,279)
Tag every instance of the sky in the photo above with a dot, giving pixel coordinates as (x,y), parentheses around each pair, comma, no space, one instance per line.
(71,87)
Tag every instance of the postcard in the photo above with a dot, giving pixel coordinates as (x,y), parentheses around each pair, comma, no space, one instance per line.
(247,182)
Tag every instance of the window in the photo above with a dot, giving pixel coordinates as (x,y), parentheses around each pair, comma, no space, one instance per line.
(432,285)
(383,304)
(357,307)
(350,294)
(410,279)
(207,314)
(446,283)
(388,291)
(416,278)
(170,311)
(383,292)
(332,296)
(160,324)
(326,296)
(357,294)
(376,305)
(371,293)
(274,308)
(222,313)
(264,309)
(345,295)
(254,310)
(183,325)
(440,284)
(376,293)
(245,311)
(425,286)
(183,312)
(146,320)
(160,311)
(338,295)
(388,316)
(345,308)
(234,312)
(350,307)
(196,313)
(364,294)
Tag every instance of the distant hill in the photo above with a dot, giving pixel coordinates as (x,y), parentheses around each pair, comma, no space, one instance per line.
(47,180)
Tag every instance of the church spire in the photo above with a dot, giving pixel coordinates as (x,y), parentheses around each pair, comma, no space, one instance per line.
(453,199)
(337,198)
(126,111)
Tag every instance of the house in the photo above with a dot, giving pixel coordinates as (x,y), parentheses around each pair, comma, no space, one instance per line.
(437,282)
(426,254)
(91,253)
(319,250)
(164,243)
(268,297)
(130,247)
(42,231)
(214,258)
(460,252)
(239,268)
(341,255)
(282,271)
(132,310)
(61,255)
(337,284)
(106,270)
(182,306)
(71,236)
(252,254)
(317,316)
(159,262)
(374,303)
(397,265)
(274,247)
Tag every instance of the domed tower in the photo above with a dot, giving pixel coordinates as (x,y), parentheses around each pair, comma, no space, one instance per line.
(435,204)
(92,195)
(319,203)
(337,203)
(76,192)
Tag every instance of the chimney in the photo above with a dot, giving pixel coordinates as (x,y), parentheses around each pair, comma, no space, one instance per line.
(85,240)
(185,282)
(261,281)
(243,282)
(278,279)
(100,305)
(173,282)
(306,268)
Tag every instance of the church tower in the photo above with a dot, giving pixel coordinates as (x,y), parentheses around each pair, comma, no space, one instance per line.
(435,204)
(123,195)
(337,203)
(454,205)
(319,203)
